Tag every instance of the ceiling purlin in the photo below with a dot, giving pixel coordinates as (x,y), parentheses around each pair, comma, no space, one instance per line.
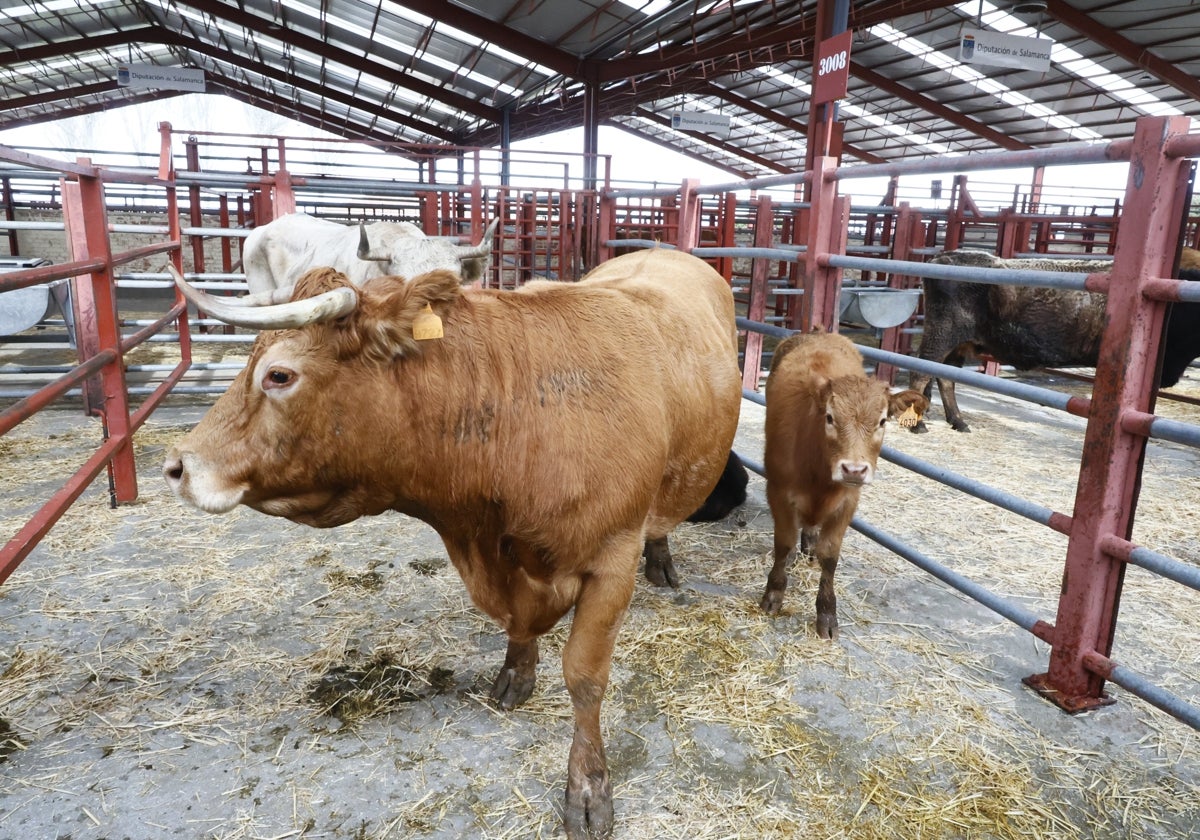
(688,151)
(786,123)
(931,106)
(727,148)
(1135,54)
(486,30)
(385,72)
(305,114)
(299,83)
(33,100)
(80,109)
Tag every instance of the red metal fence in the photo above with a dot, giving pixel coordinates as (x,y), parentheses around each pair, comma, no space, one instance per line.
(785,258)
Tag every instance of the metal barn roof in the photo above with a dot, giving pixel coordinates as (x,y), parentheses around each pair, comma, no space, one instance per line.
(467,71)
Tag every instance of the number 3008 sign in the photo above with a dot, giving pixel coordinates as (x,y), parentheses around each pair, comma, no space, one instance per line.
(833,68)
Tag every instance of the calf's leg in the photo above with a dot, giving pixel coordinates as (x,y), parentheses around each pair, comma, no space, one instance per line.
(827,550)
(787,530)
(587,657)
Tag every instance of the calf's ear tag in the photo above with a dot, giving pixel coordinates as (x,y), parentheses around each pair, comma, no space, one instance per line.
(909,418)
(427,325)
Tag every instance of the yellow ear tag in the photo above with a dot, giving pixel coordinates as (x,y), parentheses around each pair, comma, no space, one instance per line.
(427,325)
(909,418)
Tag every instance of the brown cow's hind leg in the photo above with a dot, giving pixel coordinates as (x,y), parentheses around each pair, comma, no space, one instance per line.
(660,568)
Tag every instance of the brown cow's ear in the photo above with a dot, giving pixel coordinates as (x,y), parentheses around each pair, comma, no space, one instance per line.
(395,306)
(435,289)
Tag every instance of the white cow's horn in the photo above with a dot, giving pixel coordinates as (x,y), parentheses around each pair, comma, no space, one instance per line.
(364,246)
(466,252)
(280,316)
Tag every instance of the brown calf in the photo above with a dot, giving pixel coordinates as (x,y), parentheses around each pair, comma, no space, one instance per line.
(824,428)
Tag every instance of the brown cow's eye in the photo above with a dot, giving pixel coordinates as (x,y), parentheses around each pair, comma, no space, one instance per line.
(278,378)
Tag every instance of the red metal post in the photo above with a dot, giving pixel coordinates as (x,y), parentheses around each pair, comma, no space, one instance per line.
(87,226)
(908,232)
(1110,472)
(689,215)
(764,226)
(827,234)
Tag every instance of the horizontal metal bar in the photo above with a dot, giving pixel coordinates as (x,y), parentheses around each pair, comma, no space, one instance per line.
(1139,686)
(1017,390)
(1151,561)
(1013,612)
(753,253)
(1069,280)
(1066,153)
(1042,515)
(637,243)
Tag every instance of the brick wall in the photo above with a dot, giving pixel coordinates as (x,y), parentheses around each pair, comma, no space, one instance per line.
(52,244)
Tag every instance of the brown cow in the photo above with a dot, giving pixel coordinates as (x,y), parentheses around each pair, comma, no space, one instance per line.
(824,429)
(544,435)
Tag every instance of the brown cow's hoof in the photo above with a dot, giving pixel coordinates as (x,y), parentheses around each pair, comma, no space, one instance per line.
(772,601)
(827,626)
(920,428)
(589,810)
(512,688)
(660,569)
(960,426)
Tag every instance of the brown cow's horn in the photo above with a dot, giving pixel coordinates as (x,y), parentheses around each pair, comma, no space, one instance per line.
(280,316)
(364,246)
(466,252)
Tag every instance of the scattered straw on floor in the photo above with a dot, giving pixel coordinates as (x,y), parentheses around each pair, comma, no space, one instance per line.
(240,676)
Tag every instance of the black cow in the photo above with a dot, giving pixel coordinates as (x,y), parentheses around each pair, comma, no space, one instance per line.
(1029,327)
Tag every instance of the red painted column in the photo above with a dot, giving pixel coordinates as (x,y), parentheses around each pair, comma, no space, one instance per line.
(827,234)
(689,215)
(1110,473)
(756,310)
(98,325)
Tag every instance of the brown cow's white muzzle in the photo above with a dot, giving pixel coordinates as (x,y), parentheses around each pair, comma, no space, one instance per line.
(191,481)
(854,473)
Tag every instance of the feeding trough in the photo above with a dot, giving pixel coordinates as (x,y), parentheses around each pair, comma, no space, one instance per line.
(879,307)
(21,309)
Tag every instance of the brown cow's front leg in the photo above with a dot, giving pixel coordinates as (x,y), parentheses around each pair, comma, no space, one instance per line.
(514,684)
(587,657)
(660,568)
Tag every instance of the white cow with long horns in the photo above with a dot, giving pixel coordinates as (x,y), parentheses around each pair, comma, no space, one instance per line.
(278,253)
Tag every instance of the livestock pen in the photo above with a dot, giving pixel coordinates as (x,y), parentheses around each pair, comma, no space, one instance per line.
(246,677)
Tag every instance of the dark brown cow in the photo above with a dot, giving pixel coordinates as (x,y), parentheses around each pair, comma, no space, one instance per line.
(1030,327)
(545,435)
(824,429)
